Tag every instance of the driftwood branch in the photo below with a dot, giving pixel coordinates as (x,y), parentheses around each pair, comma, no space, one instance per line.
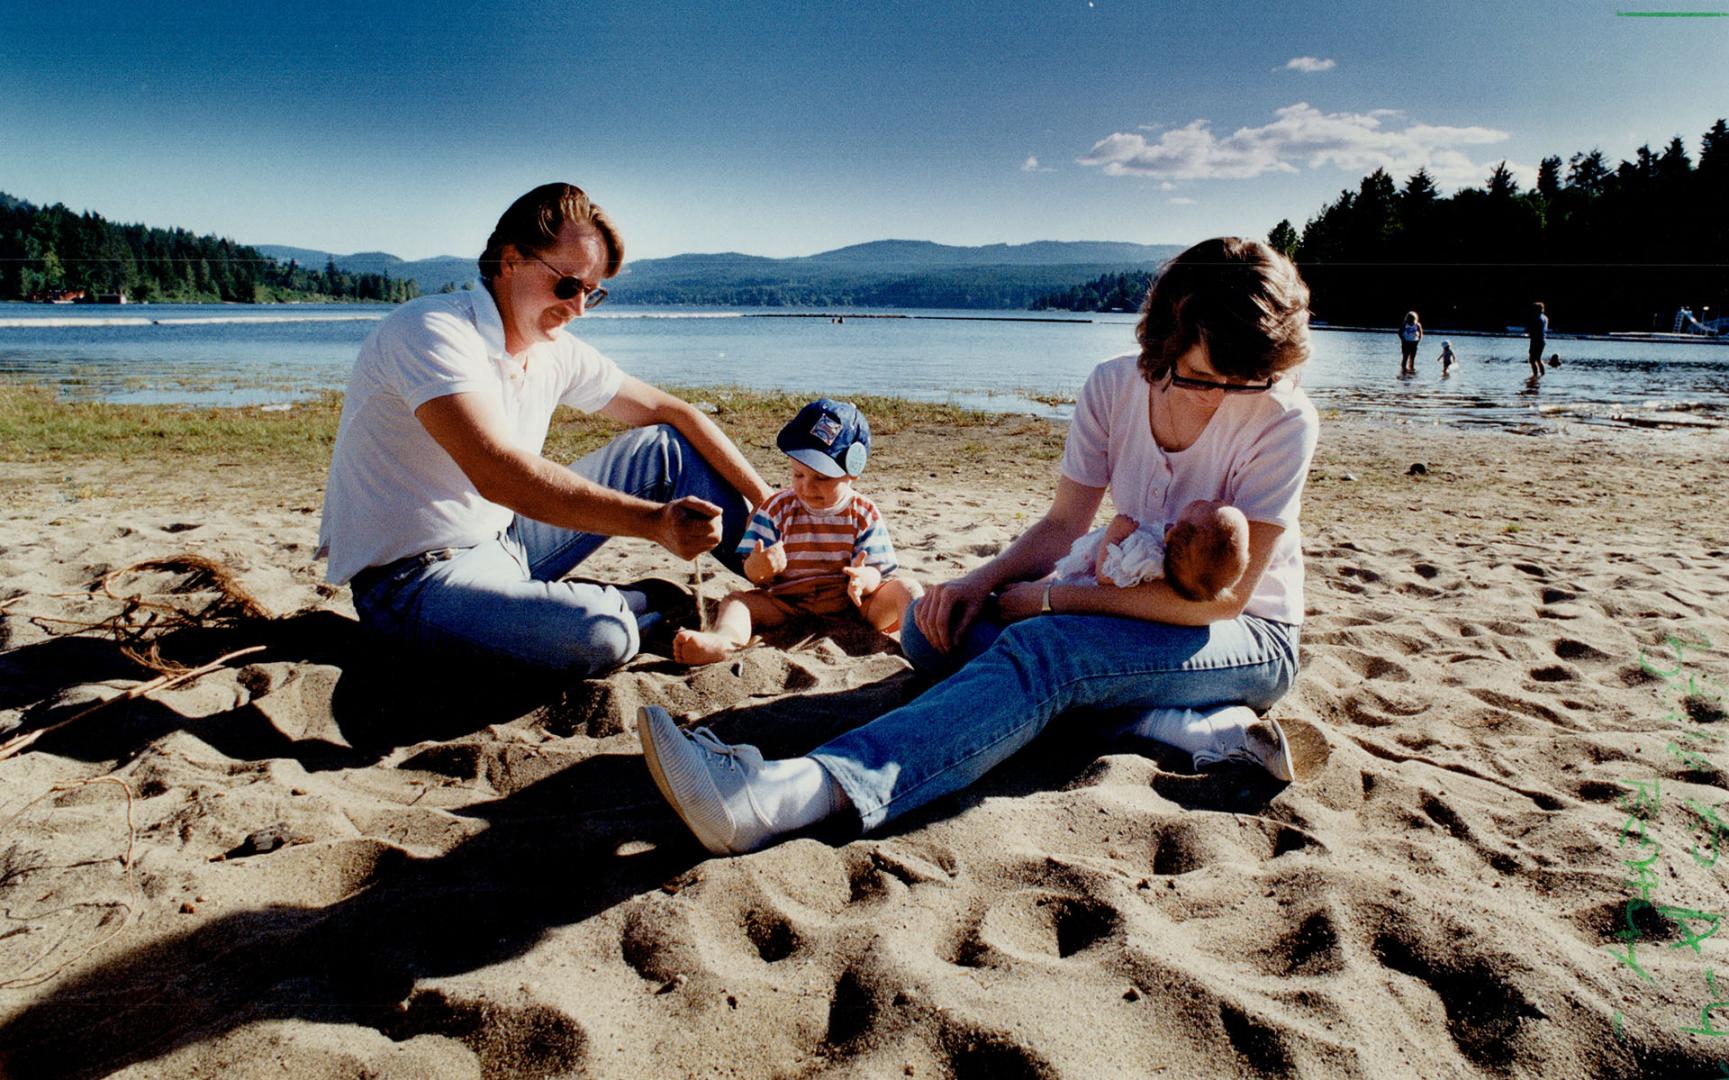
(18,743)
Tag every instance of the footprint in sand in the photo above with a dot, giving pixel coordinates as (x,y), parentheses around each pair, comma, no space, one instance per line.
(1310,947)
(1570,649)
(508,1040)
(1485,1012)
(1036,923)
(1370,666)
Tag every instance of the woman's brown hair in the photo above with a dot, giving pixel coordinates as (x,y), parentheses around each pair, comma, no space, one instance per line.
(1240,298)
(533,222)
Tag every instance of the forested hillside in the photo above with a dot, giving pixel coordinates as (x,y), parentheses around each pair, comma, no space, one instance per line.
(51,252)
(1605,248)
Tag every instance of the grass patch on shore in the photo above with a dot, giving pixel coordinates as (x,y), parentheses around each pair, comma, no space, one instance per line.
(754,417)
(36,426)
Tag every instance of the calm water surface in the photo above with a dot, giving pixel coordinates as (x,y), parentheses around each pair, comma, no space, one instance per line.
(986,359)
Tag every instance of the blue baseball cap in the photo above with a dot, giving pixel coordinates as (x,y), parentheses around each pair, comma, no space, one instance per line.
(831,437)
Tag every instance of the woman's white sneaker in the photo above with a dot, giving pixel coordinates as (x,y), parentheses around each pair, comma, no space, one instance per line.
(1240,735)
(707,781)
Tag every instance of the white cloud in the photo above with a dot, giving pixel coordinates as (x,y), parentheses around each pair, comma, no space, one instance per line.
(1182,200)
(1031,164)
(1308,65)
(1300,135)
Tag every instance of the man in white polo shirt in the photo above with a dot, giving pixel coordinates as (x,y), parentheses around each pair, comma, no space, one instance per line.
(441,514)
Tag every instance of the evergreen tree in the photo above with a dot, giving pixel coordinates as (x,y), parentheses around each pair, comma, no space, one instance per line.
(1549,177)
(1714,150)
(1502,183)
(1588,172)
(1284,238)
(1674,165)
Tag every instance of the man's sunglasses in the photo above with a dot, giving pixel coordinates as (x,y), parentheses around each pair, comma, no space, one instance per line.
(569,285)
(1227,387)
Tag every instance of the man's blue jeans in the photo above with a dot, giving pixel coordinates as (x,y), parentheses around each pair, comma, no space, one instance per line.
(1013,680)
(503,599)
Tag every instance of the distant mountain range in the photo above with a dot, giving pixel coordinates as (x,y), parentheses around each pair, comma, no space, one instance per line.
(430,274)
(883,273)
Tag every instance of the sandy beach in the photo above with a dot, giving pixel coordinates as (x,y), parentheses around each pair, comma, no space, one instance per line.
(318,860)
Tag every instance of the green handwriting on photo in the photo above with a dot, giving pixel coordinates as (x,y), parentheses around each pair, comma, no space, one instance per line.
(1690,701)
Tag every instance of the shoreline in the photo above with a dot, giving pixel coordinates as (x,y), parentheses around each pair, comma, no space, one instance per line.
(196,320)
(1562,420)
(735,311)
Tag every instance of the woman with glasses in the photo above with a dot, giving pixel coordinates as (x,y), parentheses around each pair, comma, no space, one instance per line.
(1207,409)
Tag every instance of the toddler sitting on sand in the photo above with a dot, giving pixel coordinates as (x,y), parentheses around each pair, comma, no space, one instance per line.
(816,547)
(1204,552)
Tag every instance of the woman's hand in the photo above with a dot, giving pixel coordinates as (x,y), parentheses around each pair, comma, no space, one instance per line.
(1022,600)
(946,611)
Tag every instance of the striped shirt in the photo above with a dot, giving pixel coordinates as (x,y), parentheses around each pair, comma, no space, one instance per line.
(820,543)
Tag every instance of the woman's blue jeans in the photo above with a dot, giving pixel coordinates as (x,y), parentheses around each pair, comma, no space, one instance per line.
(503,599)
(1008,682)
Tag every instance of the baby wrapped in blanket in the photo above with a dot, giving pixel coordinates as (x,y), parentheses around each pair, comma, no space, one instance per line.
(1203,553)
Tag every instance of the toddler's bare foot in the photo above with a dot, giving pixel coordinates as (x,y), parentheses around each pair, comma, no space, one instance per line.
(694,647)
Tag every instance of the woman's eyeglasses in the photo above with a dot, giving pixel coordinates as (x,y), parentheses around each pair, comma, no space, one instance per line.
(569,285)
(1228,387)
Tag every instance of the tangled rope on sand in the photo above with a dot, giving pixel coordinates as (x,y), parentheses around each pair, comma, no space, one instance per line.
(145,618)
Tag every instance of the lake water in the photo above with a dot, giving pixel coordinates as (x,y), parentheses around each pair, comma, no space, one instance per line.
(231,355)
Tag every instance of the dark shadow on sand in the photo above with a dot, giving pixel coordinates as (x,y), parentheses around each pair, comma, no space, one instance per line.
(548,858)
(386,696)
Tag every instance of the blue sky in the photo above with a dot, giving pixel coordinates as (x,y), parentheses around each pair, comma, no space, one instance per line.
(790,128)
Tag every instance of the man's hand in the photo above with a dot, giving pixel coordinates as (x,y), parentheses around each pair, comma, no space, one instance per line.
(689,527)
(861,580)
(764,564)
(945,612)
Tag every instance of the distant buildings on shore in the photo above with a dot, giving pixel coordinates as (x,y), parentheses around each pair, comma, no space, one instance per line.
(77,296)
(1686,322)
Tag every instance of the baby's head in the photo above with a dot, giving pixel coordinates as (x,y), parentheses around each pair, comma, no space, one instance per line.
(828,442)
(1206,550)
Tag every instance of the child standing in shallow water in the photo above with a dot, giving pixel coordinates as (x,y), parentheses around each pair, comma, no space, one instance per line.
(1409,335)
(816,547)
(1446,358)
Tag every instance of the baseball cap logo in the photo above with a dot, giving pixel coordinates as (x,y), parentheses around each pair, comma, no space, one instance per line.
(826,429)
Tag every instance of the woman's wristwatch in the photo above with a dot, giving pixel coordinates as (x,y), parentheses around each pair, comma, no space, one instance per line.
(1045,605)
